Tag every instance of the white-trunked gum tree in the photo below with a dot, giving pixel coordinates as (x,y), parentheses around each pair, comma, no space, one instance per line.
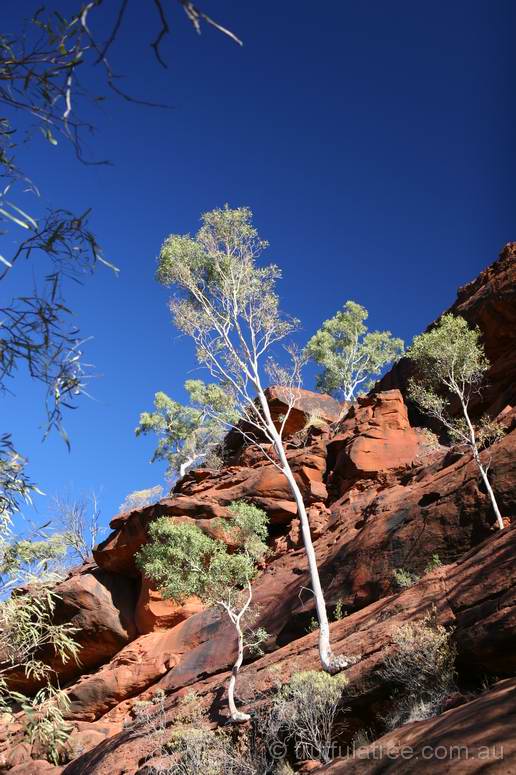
(350,355)
(451,365)
(184,561)
(228,304)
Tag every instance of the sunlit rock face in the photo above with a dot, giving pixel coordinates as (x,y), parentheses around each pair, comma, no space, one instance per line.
(379,497)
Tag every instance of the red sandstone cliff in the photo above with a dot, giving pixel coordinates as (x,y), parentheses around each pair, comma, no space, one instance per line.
(379,497)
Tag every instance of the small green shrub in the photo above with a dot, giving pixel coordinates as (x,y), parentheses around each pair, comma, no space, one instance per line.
(307,707)
(339,612)
(195,750)
(433,563)
(422,667)
(404,578)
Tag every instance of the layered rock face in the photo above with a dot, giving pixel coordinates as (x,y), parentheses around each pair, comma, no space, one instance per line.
(374,438)
(474,596)
(381,496)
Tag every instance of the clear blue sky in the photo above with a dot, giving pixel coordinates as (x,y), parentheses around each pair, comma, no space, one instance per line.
(374,142)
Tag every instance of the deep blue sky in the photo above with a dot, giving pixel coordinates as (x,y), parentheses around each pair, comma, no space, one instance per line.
(373,141)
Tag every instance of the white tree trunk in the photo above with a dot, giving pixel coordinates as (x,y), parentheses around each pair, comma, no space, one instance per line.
(185,467)
(483,471)
(329,662)
(236,715)
(483,474)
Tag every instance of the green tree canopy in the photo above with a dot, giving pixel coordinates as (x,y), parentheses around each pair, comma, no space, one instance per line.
(450,365)
(188,434)
(350,355)
(450,360)
(183,561)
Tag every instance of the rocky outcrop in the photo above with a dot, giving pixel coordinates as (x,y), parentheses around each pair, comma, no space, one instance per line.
(204,496)
(306,405)
(116,553)
(201,644)
(438,509)
(404,527)
(363,537)
(375,437)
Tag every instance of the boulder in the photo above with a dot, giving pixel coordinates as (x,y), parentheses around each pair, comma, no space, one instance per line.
(100,605)
(375,437)
(306,405)
(143,662)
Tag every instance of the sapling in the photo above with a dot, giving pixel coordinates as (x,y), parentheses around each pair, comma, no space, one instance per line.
(451,364)
(183,561)
(229,306)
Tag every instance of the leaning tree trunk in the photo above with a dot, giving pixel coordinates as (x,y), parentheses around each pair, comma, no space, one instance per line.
(483,471)
(330,663)
(483,474)
(236,715)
